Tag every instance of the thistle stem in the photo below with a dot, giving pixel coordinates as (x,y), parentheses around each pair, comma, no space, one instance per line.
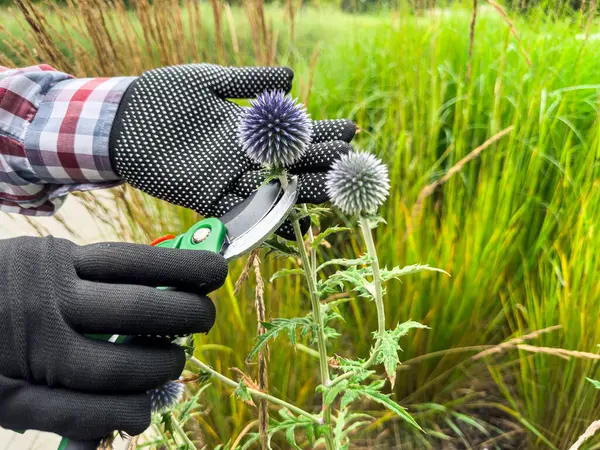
(310,273)
(181,432)
(254,392)
(372,252)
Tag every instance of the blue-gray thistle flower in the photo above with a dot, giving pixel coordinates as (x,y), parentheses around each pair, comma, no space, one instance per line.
(165,397)
(357,183)
(275,130)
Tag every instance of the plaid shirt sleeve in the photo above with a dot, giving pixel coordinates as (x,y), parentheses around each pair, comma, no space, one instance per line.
(54,133)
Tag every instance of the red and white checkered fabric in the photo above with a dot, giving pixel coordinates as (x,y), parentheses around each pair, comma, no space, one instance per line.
(54,132)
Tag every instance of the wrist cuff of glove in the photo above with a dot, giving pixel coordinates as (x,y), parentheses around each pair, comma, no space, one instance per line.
(117,127)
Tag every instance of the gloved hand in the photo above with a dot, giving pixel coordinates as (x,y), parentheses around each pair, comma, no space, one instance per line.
(52,377)
(175,137)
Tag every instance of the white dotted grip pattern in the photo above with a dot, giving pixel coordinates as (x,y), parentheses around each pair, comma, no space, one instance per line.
(175,137)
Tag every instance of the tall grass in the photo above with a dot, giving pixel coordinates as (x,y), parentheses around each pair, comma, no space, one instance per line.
(516,226)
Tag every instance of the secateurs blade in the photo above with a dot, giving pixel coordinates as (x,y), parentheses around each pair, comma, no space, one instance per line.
(244,227)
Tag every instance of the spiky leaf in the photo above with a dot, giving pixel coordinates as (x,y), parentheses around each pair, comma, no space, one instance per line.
(291,438)
(374,393)
(349,397)
(329,231)
(241,392)
(286,272)
(387,353)
(280,249)
(388,347)
(399,272)
(363,260)
(276,326)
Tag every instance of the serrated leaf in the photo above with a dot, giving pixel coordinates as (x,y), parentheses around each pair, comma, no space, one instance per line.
(241,392)
(166,421)
(387,353)
(194,402)
(356,277)
(334,391)
(357,367)
(329,231)
(388,347)
(291,438)
(403,328)
(309,211)
(286,272)
(596,383)
(399,272)
(348,398)
(375,221)
(279,249)
(390,404)
(275,327)
(363,260)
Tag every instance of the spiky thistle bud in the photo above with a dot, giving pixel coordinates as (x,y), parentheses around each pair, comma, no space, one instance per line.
(165,397)
(357,183)
(275,130)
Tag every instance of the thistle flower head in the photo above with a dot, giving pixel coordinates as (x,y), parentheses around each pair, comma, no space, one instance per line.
(358,182)
(165,397)
(275,130)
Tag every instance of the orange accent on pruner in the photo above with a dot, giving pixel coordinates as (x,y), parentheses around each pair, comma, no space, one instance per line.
(168,237)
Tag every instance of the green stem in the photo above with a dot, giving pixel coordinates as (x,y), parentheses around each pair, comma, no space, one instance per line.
(181,432)
(307,349)
(254,392)
(310,273)
(372,252)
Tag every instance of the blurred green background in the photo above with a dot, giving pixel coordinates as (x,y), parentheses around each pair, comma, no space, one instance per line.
(428,82)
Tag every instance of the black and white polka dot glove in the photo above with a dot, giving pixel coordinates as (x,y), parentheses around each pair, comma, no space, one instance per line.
(175,137)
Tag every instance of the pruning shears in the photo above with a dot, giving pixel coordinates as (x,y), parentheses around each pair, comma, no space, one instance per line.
(239,231)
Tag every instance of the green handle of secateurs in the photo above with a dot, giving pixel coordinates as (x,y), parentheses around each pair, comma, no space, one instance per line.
(213,242)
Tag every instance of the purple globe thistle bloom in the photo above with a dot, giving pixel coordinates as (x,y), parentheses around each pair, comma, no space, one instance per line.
(357,183)
(275,130)
(165,397)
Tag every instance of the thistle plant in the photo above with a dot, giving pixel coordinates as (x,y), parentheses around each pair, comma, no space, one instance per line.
(357,184)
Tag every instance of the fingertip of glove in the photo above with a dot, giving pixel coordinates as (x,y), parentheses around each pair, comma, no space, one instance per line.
(348,130)
(216,264)
(179,360)
(289,74)
(140,416)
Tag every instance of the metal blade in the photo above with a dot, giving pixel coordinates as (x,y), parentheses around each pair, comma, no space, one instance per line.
(256,218)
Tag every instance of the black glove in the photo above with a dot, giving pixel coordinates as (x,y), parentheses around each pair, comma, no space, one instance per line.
(175,137)
(52,377)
